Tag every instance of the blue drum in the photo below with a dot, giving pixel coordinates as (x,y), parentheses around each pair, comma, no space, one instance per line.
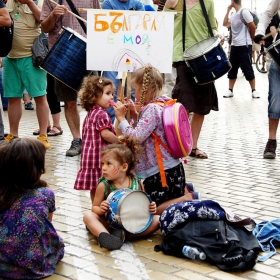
(207,60)
(130,210)
(66,60)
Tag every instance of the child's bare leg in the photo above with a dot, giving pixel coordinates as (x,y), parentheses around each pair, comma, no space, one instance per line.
(92,194)
(154,226)
(95,223)
(164,205)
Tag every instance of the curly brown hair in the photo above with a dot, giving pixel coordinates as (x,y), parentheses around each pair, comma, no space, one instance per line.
(92,90)
(150,81)
(126,151)
(22,162)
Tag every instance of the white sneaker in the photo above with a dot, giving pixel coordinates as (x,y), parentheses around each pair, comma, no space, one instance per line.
(255,94)
(228,93)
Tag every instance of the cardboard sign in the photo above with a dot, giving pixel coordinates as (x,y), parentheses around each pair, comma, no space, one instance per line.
(128,40)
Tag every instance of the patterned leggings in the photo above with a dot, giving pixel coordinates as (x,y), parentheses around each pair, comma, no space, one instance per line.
(175,178)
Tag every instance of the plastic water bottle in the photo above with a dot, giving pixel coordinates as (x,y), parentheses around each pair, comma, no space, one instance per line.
(193,253)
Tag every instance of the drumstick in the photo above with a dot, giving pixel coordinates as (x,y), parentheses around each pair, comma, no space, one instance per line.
(71,12)
(269,34)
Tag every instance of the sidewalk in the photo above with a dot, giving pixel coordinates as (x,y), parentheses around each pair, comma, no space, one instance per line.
(235,175)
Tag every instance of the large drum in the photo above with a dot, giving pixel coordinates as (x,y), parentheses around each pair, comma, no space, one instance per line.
(207,60)
(66,60)
(130,210)
(274,51)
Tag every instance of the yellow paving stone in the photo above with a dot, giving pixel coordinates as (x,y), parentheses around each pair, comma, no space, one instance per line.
(261,276)
(73,250)
(65,269)
(144,260)
(105,271)
(56,277)
(201,268)
(221,275)
(83,275)
(76,261)
(189,275)
(162,258)
(156,275)
(161,267)
(267,269)
(101,259)
(63,227)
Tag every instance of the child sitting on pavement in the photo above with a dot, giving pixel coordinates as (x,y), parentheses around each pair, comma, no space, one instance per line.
(118,164)
(30,247)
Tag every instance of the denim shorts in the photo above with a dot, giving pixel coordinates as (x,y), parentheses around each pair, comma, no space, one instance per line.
(274,92)
(20,74)
(241,56)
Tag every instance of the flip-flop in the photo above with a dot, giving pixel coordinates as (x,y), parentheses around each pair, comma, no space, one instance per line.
(37,131)
(200,154)
(53,132)
(109,241)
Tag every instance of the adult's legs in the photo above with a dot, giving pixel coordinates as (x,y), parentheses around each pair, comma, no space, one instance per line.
(42,111)
(73,118)
(14,114)
(1,123)
(196,125)
(272,128)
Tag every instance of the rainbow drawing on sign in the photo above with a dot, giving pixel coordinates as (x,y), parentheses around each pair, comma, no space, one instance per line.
(127,59)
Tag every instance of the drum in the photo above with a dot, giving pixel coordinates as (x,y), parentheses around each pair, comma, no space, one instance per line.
(130,210)
(274,51)
(177,130)
(207,60)
(66,60)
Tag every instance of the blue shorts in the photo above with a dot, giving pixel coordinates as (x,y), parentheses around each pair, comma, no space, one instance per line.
(20,74)
(241,56)
(274,92)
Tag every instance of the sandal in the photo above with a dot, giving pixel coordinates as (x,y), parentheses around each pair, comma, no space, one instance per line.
(55,131)
(109,241)
(200,154)
(37,131)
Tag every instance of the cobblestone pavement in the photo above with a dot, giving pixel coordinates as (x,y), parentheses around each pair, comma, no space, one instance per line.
(235,175)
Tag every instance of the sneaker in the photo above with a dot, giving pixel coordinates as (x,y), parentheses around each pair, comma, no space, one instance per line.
(109,241)
(196,195)
(75,148)
(10,137)
(28,106)
(228,93)
(270,148)
(190,187)
(255,94)
(44,139)
(263,70)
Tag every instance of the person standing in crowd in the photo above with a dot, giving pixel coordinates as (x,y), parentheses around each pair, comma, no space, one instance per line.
(243,31)
(5,21)
(19,72)
(274,83)
(199,99)
(53,17)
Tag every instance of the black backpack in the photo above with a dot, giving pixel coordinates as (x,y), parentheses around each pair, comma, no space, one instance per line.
(6,36)
(230,248)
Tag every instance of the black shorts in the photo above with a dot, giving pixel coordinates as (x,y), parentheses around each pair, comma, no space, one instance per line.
(241,56)
(175,178)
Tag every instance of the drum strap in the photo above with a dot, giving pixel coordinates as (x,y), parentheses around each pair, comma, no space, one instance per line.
(206,17)
(74,10)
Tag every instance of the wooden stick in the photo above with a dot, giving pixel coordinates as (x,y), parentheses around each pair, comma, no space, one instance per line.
(269,34)
(82,19)
(128,94)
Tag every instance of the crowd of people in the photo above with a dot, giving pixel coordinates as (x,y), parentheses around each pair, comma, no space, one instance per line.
(108,162)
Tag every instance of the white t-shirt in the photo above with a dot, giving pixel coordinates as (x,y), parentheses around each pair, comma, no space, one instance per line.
(240,31)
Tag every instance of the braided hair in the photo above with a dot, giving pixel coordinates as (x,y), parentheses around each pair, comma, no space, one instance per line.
(150,81)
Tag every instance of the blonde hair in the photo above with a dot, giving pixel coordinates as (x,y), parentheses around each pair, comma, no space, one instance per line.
(150,81)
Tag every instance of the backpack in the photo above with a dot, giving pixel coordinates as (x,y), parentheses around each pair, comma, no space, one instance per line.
(177,131)
(230,248)
(6,36)
(39,49)
(254,15)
